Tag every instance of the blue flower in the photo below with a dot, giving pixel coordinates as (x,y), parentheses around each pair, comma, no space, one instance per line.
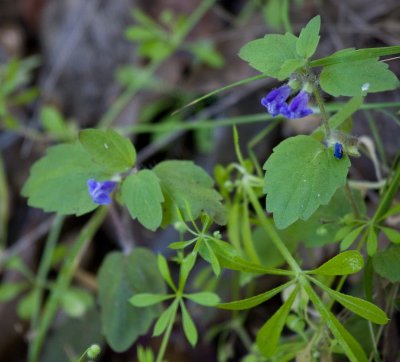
(100,191)
(338,150)
(297,107)
(275,99)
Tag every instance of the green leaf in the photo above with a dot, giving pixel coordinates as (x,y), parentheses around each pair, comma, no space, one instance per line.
(166,317)
(229,258)
(358,306)
(142,195)
(349,239)
(351,347)
(204,298)
(188,326)
(9,291)
(347,79)
(308,40)
(120,277)
(164,270)
(268,54)
(28,304)
(349,55)
(372,241)
(251,302)
(58,181)
(213,260)
(386,263)
(147,299)
(186,267)
(392,234)
(53,122)
(320,229)
(290,66)
(300,176)
(76,302)
(109,149)
(184,186)
(269,334)
(348,262)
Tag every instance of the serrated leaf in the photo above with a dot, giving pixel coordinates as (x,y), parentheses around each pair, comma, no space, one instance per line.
(290,66)
(347,79)
(120,277)
(358,306)
(184,186)
(204,298)
(188,326)
(392,234)
(109,149)
(166,317)
(252,302)
(58,181)
(142,195)
(308,40)
(386,263)
(269,334)
(268,54)
(301,175)
(147,299)
(348,262)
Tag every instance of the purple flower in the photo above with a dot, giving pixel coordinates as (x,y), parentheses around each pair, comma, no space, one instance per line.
(297,107)
(338,150)
(100,191)
(274,100)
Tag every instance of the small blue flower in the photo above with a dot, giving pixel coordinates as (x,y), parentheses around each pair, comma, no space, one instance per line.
(275,99)
(338,150)
(100,191)
(297,107)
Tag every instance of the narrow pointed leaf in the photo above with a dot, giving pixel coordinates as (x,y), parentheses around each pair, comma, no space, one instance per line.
(358,306)
(164,270)
(268,336)
(204,298)
(188,326)
(253,301)
(165,318)
(392,235)
(147,299)
(349,239)
(348,262)
(350,346)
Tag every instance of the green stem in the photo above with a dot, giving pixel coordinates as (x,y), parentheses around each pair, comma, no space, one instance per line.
(321,106)
(166,336)
(45,265)
(353,203)
(269,228)
(63,281)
